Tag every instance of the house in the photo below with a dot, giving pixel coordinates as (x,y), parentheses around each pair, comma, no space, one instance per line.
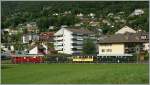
(46,37)
(125,29)
(94,23)
(92,15)
(137,12)
(123,44)
(146,47)
(70,40)
(6,31)
(32,27)
(80,15)
(7,47)
(51,27)
(40,49)
(56,14)
(26,38)
(106,22)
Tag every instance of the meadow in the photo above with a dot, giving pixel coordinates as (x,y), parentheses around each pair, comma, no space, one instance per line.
(75,74)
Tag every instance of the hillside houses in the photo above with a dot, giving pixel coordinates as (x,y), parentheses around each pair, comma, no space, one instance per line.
(69,40)
(30,37)
(32,27)
(137,12)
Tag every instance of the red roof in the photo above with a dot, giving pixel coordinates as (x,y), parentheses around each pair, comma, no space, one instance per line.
(47,36)
(47,33)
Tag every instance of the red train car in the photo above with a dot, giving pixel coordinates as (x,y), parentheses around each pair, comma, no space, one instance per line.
(27,59)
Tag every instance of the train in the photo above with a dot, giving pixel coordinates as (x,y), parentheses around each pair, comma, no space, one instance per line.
(72,59)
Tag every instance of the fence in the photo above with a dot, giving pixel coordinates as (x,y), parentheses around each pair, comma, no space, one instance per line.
(82,59)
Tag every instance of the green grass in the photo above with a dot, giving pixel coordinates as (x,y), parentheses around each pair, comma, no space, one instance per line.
(75,73)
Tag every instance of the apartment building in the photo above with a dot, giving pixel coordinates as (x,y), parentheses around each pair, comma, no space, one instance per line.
(70,40)
(123,44)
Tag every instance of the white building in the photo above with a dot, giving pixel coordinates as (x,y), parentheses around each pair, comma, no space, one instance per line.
(34,50)
(137,12)
(70,41)
(26,38)
(123,44)
(6,47)
(91,15)
(42,49)
(125,29)
(146,46)
(80,15)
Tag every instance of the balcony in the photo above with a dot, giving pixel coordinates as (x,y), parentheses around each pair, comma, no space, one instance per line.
(59,35)
(58,38)
(77,42)
(77,39)
(133,49)
(60,48)
(77,34)
(77,47)
(58,43)
(76,52)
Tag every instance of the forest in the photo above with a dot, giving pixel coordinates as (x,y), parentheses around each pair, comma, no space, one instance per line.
(41,12)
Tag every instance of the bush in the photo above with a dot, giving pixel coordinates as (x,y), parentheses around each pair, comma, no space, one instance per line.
(146,57)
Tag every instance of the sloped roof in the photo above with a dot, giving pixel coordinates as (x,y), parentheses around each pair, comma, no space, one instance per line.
(125,38)
(125,29)
(47,33)
(82,31)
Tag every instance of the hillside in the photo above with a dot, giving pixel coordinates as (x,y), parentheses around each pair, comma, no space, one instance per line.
(42,12)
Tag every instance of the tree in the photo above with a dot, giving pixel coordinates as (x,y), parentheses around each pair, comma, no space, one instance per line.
(89,46)
(43,24)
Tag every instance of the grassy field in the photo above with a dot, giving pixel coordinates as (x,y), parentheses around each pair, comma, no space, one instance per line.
(75,73)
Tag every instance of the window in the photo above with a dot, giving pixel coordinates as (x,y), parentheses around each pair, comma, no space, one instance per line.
(143,37)
(109,50)
(103,50)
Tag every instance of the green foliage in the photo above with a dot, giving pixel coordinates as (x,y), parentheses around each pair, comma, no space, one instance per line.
(139,22)
(43,23)
(14,13)
(146,57)
(89,46)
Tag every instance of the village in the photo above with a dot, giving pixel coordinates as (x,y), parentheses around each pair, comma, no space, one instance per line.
(66,45)
(27,44)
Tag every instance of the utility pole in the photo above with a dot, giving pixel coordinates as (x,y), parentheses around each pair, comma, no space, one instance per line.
(138,53)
